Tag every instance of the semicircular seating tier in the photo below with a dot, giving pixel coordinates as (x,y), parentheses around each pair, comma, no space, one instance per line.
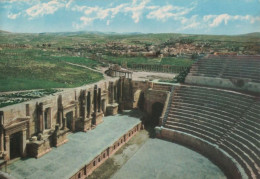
(228,120)
(234,72)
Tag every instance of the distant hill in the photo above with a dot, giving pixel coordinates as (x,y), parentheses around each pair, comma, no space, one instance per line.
(253,34)
(2,31)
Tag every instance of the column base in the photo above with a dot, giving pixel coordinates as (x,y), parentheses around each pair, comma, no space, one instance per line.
(112,109)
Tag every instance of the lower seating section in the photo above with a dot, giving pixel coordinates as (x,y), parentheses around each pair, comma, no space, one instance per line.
(224,118)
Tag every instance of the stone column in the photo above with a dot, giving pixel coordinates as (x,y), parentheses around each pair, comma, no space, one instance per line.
(1,131)
(64,123)
(60,118)
(83,105)
(23,143)
(7,147)
(95,99)
(115,93)
(27,107)
(40,117)
(99,99)
(111,92)
(73,120)
(89,104)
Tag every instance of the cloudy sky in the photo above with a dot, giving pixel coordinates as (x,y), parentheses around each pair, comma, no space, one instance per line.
(147,16)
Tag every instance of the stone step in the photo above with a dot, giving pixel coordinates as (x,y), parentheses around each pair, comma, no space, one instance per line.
(200,126)
(240,160)
(247,136)
(214,95)
(250,127)
(194,128)
(223,115)
(233,111)
(214,91)
(249,132)
(244,148)
(192,132)
(246,142)
(243,155)
(202,117)
(220,126)
(251,121)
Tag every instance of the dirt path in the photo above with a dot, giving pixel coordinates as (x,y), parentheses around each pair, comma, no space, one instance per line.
(83,66)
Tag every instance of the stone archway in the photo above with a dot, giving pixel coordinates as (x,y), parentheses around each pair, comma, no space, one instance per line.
(15,145)
(157,109)
(69,120)
(141,101)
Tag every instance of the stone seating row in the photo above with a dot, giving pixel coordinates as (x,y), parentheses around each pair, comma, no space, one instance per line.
(224,118)
(242,67)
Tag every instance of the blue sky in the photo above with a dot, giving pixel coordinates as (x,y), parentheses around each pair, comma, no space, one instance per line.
(147,16)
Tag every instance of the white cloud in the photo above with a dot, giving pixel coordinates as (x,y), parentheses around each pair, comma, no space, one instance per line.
(169,11)
(216,20)
(137,9)
(44,8)
(191,23)
(17,1)
(68,4)
(96,13)
(13,16)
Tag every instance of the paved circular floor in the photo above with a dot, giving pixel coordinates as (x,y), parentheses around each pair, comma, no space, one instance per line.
(161,159)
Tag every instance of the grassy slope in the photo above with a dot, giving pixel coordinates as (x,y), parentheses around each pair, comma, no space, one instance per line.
(34,69)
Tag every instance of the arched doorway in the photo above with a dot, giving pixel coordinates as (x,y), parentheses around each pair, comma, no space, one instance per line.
(157,109)
(69,118)
(15,145)
(103,106)
(141,100)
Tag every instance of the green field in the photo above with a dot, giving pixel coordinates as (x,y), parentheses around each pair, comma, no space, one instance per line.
(36,69)
(39,61)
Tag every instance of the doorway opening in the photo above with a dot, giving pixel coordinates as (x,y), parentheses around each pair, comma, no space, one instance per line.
(157,109)
(69,118)
(15,145)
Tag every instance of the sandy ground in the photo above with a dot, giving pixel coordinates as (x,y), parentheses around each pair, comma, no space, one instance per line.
(145,157)
(142,75)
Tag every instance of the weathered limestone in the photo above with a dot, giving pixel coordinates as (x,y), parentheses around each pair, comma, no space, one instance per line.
(112,107)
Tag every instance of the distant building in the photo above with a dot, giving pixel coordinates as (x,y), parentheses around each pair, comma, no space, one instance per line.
(117,71)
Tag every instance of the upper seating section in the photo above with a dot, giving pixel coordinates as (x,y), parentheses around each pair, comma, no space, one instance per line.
(228,67)
(228,119)
(227,71)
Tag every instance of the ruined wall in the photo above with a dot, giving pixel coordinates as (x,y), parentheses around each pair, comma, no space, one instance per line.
(153,96)
(235,84)
(70,97)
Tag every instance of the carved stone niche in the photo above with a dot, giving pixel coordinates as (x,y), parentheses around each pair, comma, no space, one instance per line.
(44,115)
(70,115)
(112,107)
(15,135)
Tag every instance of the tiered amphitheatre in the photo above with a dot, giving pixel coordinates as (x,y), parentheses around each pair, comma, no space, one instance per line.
(220,123)
(215,112)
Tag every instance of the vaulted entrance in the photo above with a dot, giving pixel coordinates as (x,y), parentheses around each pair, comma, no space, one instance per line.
(69,119)
(157,109)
